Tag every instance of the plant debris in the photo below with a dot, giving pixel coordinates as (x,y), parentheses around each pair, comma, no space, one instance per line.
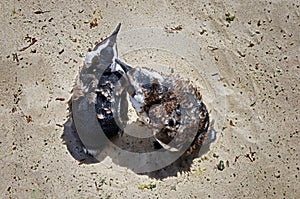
(203,31)
(80,162)
(177,28)
(101,182)
(28,118)
(32,41)
(231,123)
(60,52)
(93,23)
(221,165)
(229,17)
(60,99)
(227,163)
(212,48)
(59,125)
(40,12)
(151,186)
(173,29)
(250,155)
(15,57)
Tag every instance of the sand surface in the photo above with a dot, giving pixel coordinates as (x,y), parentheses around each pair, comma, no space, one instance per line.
(244,56)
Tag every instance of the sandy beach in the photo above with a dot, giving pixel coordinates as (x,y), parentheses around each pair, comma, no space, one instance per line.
(244,57)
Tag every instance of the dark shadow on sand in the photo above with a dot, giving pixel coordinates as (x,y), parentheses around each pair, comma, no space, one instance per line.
(76,149)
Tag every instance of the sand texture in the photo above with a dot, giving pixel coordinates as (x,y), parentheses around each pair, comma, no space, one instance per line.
(243,55)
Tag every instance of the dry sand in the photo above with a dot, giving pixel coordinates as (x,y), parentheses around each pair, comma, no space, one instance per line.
(247,58)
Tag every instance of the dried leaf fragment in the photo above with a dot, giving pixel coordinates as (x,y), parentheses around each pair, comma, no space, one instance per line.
(94,23)
(151,185)
(28,118)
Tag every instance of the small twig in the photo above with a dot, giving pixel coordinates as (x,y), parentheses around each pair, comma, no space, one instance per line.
(60,52)
(81,161)
(15,57)
(33,40)
(40,12)
(60,99)
(236,158)
(96,185)
(250,155)
(212,48)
